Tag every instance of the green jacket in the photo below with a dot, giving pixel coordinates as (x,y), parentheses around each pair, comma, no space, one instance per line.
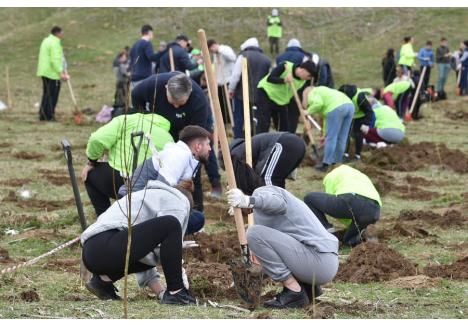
(407,55)
(50,58)
(274,27)
(357,111)
(397,88)
(386,117)
(281,94)
(345,180)
(322,100)
(115,137)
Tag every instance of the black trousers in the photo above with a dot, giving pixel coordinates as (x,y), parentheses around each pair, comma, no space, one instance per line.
(274,44)
(285,116)
(427,77)
(363,211)
(104,254)
(100,186)
(223,103)
(122,88)
(287,154)
(356,134)
(198,192)
(50,94)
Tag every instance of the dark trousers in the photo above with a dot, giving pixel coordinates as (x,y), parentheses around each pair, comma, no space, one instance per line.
(238,115)
(274,44)
(363,211)
(464,81)
(122,88)
(286,155)
(356,134)
(197,192)
(211,167)
(223,103)
(427,78)
(402,103)
(104,254)
(103,183)
(50,94)
(287,115)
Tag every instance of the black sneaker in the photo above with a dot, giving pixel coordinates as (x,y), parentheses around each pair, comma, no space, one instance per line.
(288,299)
(183,297)
(103,290)
(308,290)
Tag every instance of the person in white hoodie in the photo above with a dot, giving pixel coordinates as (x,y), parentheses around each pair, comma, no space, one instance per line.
(224,58)
(258,67)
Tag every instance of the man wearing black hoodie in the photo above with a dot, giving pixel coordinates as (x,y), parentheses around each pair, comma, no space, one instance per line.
(293,53)
(181,57)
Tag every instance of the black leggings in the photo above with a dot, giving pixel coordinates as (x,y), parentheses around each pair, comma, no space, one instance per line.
(100,186)
(104,254)
(356,134)
(363,211)
(285,156)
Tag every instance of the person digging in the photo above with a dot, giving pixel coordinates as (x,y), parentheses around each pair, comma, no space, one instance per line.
(287,239)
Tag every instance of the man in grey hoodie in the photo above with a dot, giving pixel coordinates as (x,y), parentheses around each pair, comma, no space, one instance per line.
(159,216)
(288,240)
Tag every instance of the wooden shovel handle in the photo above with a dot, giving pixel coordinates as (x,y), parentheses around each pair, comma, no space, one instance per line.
(302,114)
(171,59)
(421,78)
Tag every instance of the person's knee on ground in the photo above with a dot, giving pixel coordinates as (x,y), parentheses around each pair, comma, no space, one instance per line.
(196,222)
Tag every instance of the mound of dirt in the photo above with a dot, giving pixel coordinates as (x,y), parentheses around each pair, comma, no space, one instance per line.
(416,156)
(28,155)
(63,265)
(414,282)
(34,203)
(211,281)
(374,262)
(417,181)
(457,115)
(4,256)
(458,270)
(30,296)
(449,219)
(214,248)
(15,182)
(400,229)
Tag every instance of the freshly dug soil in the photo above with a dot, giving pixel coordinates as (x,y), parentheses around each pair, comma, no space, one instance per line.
(214,248)
(15,182)
(374,262)
(449,219)
(216,210)
(54,177)
(248,282)
(325,310)
(33,203)
(417,181)
(458,270)
(4,256)
(30,296)
(457,115)
(28,156)
(211,281)
(414,282)
(404,230)
(417,156)
(63,265)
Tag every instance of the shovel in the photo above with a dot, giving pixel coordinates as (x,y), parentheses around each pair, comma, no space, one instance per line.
(171,59)
(415,98)
(78,115)
(247,278)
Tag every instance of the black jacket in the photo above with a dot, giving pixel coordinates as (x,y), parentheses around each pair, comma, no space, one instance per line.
(182,60)
(258,66)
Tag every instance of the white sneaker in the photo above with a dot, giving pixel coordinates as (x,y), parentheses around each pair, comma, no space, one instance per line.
(381,144)
(372,144)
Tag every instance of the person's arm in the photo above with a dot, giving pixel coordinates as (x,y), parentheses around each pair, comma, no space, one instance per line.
(184,62)
(228,54)
(236,74)
(365,107)
(103,139)
(420,56)
(56,57)
(269,200)
(275,74)
(464,56)
(439,54)
(431,59)
(200,108)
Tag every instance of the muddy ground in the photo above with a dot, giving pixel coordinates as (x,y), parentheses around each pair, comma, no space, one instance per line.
(35,204)
(450,219)
(457,270)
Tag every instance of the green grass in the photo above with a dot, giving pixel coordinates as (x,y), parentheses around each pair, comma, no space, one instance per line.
(352,39)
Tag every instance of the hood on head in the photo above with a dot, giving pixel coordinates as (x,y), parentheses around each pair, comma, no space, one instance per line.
(294,42)
(250,42)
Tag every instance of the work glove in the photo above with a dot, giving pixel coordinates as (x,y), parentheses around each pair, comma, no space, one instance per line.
(365,129)
(236,198)
(231,211)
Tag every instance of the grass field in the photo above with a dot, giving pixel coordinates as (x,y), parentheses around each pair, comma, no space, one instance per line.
(352,39)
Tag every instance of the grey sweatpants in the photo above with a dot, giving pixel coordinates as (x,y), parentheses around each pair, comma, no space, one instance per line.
(282,256)
(391,135)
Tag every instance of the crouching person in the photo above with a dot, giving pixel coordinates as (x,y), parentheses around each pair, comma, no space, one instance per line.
(159,216)
(349,194)
(288,240)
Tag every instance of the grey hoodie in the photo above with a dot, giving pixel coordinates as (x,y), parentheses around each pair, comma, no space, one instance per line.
(158,199)
(279,209)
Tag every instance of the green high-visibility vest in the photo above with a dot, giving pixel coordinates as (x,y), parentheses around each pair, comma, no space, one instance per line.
(281,94)
(397,88)
(357,111)
(386,117)
(274,28)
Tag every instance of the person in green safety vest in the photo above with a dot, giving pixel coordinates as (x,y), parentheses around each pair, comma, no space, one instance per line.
(349,194)
(407,55)
(397,96)
(274,31)
(362,116)
(275,95)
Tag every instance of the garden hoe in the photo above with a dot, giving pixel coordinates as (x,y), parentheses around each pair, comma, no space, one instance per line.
(247,277)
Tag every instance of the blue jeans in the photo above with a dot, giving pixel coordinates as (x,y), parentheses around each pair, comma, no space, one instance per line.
(238,116)
(338,125)
(196,222)
(443,70)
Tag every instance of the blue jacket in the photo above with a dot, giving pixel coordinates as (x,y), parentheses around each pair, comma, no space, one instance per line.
(292,54)
(182,60)
(141,56)
(423,54)
(193,112)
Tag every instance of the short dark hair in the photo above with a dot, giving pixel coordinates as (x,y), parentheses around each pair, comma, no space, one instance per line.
(429,43)
(311,68)
(247,179)
(210,42)
(443,39)
(56,30)
(406,39)
(182,37)
(190,133)
(145,29)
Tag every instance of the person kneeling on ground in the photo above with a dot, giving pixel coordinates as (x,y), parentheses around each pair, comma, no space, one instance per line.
(397,96)
(275,155)
(388,128)
(349,194)
(159,217)
(288,240)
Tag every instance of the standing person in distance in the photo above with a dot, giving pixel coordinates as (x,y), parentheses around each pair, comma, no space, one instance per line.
(274,31)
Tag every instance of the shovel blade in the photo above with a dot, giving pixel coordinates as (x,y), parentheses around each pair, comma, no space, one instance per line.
(247,281)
